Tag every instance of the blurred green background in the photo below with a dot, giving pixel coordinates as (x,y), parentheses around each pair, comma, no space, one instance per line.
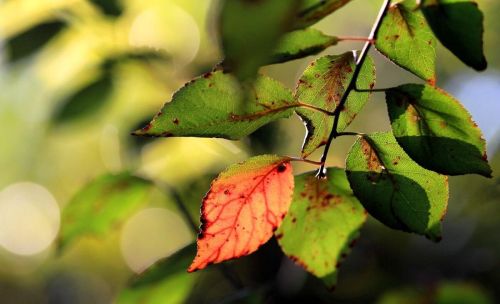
(77,76)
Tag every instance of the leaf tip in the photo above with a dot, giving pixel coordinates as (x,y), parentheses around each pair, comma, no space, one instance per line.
(143,131)
(481,65)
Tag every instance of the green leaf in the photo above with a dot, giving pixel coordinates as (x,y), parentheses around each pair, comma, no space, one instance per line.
(394,189)
(406,39)
(312,11)
(86,101)
(458,24)
(436,131)
(28,42)
(102,204)
(461,293)
(322,223)
(301,43)
(403,295)
(165,282)
(213,106)
(250,30)
(322,85)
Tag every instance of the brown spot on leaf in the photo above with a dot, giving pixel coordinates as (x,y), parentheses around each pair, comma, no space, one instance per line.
(147,127)
(372,160)
(166,134)
(281,168)
(175,121)
(484,157)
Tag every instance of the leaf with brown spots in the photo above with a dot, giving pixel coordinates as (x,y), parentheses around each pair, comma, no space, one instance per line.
(323,221)
(322,85)
(101,205)
(394,189)
(215,105)
(436,130)
(406,39)
(244,206)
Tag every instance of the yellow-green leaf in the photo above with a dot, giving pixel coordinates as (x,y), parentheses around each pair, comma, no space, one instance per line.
(322,223)
(102,204)
(406,39)
(301,43)
(214,105)
(436,130)
(313,11)
(322,85)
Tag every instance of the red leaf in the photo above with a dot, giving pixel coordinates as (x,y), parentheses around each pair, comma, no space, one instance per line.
(244,206)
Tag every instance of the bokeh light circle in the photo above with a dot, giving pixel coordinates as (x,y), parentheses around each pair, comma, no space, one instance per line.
(29,218)
(152,234)
(169,28)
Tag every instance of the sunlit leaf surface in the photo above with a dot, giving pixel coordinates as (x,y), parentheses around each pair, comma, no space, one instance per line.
(323,84)
(406,39)
(244,206)
(213,105)
(323,221)
(312,11)
(436,131)
(301,43)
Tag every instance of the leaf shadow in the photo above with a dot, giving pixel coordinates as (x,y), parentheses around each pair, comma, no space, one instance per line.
(395,200)
(443,18)
(445,155)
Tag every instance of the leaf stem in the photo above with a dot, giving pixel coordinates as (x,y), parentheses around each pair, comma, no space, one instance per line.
(291,158)
(352,84)
(353,38)
(180,204)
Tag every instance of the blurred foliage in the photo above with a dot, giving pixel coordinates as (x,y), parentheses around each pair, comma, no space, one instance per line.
(101,205)
(54,54)
(28,42)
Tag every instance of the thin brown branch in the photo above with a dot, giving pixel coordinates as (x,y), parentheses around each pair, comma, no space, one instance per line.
(352,84)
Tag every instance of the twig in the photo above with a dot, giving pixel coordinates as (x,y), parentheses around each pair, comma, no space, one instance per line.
(352,84)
